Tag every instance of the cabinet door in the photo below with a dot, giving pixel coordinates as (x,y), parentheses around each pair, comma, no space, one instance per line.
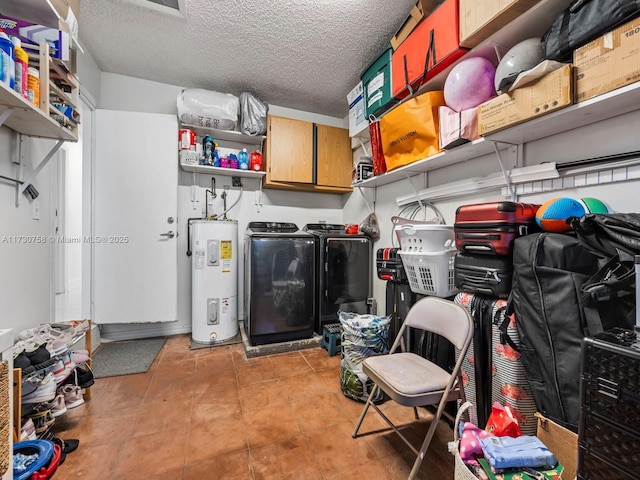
(334,165)
(290,150)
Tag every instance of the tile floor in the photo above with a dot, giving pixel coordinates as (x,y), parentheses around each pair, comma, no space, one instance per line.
(214,414)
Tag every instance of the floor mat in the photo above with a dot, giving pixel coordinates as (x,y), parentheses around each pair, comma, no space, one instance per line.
(125,358)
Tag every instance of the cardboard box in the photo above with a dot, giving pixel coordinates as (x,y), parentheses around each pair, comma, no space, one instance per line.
(552,92)
(563,443)
(69,12)
(479,19)
(357,112)
(457,128)
(612,61)
(422,9)
(32,34)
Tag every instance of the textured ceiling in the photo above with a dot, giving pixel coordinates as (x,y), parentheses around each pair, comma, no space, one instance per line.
(302,54)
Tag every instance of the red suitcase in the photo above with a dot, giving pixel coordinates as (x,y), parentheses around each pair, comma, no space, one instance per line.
(491,228)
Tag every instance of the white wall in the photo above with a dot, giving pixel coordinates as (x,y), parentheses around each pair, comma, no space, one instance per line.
(25,252)
(616,135)
(119,92)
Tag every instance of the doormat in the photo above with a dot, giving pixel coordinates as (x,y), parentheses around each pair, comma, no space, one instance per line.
(125,358)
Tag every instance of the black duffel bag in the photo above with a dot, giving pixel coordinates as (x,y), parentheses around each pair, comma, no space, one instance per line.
(583,21)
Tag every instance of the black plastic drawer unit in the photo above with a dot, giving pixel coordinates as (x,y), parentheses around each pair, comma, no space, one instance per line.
(609,431)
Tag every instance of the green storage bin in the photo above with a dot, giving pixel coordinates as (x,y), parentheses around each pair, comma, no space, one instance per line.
(376,81)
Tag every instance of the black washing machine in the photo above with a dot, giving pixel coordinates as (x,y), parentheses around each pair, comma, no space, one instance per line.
(344,266)
(280,279)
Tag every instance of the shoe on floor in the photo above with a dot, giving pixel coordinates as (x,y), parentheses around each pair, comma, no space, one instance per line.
(72,395)
(67,446)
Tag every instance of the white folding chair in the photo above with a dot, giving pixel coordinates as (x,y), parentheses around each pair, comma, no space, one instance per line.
(413,381)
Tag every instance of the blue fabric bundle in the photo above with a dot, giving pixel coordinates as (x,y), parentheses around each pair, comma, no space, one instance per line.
(524,451)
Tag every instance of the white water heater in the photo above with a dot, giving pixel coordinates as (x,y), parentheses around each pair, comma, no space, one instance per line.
(214,281)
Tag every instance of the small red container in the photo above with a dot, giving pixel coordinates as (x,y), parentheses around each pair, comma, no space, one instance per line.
(351,228)
(187,139)
(255,161)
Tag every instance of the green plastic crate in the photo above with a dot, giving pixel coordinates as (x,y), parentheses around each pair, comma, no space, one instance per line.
(376,81)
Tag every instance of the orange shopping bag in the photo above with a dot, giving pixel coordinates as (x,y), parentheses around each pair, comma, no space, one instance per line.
(410,131)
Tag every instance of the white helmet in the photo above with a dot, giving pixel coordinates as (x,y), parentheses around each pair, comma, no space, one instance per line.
(522,57)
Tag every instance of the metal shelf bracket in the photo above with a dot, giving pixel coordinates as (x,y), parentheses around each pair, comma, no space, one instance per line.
(6,114)
(20,188)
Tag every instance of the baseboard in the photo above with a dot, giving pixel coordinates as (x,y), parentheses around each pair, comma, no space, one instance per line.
(115,332)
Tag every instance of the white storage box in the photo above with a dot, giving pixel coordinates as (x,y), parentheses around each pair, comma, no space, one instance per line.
(416,238)
(430,273)
(357,117)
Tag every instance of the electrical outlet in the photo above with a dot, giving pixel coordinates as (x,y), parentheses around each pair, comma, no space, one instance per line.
(35,209)
(236,182)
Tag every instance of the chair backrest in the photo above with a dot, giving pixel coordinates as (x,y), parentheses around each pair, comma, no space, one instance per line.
(443,317)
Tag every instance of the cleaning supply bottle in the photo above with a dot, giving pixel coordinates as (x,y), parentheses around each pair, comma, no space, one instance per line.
(243,159)
(22,65)
(7,69)
(33,86)
(256,161)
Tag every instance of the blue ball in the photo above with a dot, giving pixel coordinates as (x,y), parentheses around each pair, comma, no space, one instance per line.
(553,214)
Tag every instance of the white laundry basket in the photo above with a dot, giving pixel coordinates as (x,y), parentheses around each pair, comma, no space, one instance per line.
(430,273)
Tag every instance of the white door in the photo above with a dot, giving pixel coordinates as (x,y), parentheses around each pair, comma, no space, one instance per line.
(135,223)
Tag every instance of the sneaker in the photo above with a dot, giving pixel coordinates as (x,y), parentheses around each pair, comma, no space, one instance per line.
(44,391)
(80,326)
(42,419)
(38,355)
(57,406)
(79,356)
(28,431)
(81,377)
(21,361)
(72,395)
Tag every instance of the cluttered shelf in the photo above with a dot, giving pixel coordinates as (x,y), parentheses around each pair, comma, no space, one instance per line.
(230,172)
(28,119)
(617,102)
(64,342)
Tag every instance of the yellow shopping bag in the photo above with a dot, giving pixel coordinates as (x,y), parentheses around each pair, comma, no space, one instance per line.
(410,131)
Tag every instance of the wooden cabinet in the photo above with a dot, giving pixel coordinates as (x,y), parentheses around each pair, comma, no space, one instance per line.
(304,156)
(334,159)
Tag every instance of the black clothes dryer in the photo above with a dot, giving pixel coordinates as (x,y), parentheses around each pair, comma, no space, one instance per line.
(280,271)
(344,269)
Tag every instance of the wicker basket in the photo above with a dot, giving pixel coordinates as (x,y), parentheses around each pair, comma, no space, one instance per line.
(461,471)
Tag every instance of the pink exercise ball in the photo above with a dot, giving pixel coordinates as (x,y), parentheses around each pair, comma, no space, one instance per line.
(470,83)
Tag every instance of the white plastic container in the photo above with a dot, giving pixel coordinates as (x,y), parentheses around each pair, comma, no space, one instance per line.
(431,273)
(425,238)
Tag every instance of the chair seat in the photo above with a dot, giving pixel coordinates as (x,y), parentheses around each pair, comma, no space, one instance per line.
(406,375)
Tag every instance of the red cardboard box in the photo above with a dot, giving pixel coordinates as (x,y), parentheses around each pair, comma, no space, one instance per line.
(431,47)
